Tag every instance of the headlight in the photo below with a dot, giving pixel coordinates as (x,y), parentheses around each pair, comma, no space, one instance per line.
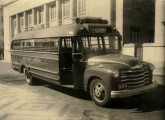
(116,74)
(151,66)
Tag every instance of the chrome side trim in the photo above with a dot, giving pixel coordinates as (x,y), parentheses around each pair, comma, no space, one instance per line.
(44,70)
(36,57)
(35,52)
(44,76)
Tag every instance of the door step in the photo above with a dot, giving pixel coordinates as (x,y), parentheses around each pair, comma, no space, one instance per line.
(68,86)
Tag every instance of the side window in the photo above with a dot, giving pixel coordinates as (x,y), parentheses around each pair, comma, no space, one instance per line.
(85,41)
(66,43)
(22,44)
(111,42)
(31,43)
(16,45)
(92,43)
(76,46)
(37,43)
(27,43)
(45,43)
(53,44)
(42,45)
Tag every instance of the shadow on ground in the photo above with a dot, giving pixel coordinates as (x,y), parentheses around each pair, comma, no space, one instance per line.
(151,101)
(148,102)
(70,91)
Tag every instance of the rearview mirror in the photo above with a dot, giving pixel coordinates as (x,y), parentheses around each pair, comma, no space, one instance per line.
(77,56)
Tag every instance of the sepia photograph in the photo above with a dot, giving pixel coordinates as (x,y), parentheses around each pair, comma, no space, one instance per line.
(82,59)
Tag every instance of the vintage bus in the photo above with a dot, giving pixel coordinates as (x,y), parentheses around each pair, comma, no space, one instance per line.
(86,55)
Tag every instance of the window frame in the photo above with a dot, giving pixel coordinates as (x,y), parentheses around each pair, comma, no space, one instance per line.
(53,12)
(66,9)
(81,7)
(21,19)
(29,17)
(135,35)
(40,15)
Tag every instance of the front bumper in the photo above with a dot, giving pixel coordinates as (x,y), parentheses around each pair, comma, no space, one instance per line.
(132,92)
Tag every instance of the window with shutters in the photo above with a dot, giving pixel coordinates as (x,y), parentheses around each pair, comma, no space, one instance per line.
(21,20)
(41,15)
(81,6)
(29,17)
(66,9)
(53,12)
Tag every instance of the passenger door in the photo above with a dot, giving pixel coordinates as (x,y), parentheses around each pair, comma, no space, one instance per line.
(66,45)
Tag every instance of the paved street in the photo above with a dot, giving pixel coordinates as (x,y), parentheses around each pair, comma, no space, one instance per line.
(19,101)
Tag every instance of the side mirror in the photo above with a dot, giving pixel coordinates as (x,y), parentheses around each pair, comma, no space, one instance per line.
(77,56)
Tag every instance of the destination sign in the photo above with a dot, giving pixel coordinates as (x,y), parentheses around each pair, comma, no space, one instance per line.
(99,29)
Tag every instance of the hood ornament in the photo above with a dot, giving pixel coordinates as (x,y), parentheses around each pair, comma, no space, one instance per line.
(137,67)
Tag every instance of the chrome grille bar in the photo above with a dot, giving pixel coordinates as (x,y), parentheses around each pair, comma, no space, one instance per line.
(135,78)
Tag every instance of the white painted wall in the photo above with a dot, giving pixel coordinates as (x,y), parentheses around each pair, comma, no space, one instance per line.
(99,8)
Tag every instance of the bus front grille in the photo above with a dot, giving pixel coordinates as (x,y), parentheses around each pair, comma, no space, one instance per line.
(135,78)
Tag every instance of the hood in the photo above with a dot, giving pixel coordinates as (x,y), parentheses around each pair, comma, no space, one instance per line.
(115,58)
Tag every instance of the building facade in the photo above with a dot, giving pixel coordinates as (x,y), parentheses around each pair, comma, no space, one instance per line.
(140,22)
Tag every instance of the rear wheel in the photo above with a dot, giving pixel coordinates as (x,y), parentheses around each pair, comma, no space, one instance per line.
(28,77)
(99,93)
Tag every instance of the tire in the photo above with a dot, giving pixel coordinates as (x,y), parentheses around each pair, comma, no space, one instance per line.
(99,93)
(29,79)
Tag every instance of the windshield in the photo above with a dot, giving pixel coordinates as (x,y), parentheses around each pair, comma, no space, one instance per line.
(99,43)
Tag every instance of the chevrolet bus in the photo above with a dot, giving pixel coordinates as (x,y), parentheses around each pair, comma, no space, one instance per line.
(86,55)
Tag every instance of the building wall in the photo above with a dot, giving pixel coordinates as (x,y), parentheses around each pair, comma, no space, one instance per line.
(99,9)
(140,16)
(155,52)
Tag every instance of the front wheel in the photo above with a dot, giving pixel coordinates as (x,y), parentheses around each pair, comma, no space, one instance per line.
(99,93)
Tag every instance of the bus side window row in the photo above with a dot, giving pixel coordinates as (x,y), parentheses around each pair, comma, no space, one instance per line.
(44,45)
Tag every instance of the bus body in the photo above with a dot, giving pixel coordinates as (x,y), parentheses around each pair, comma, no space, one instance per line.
(86,55)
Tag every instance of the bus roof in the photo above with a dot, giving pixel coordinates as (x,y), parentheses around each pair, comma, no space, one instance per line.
(60,31)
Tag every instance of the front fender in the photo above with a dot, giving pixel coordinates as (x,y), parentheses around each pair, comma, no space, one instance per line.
(95,72)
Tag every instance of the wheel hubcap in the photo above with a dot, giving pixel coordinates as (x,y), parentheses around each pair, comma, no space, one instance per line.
(99,92)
